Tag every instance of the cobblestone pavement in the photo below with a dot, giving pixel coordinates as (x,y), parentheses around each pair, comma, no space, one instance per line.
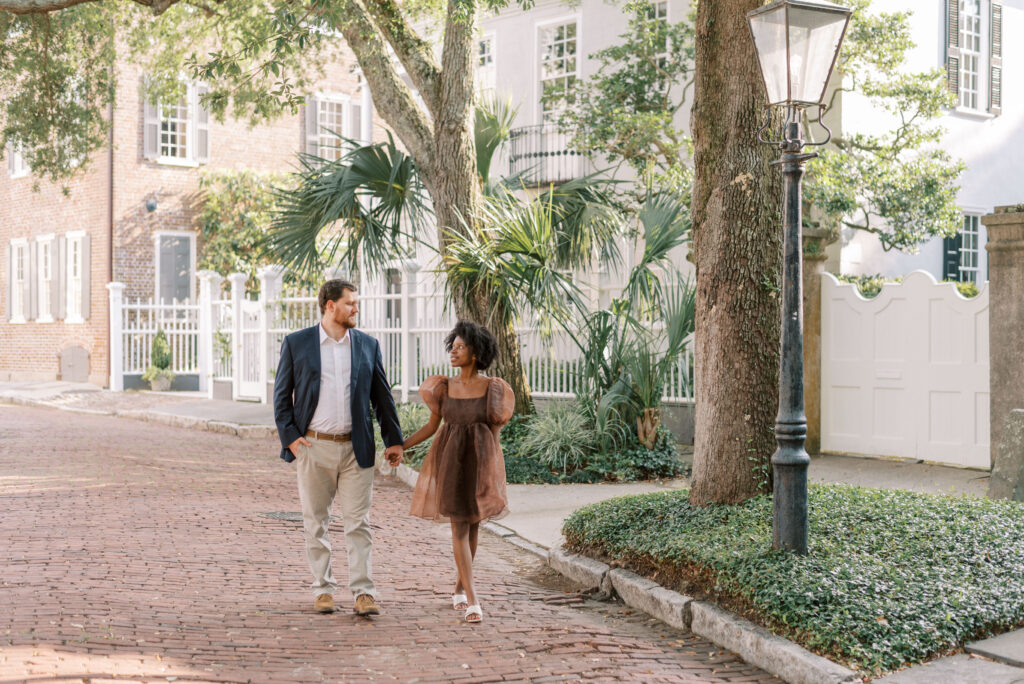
(136,551)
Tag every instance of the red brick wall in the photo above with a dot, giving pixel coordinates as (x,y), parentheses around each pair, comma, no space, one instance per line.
(29,351)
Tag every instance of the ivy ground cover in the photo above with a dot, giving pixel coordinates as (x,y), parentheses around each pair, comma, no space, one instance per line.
(891,578)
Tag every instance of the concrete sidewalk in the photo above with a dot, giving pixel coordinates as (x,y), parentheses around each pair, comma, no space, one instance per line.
(540,510)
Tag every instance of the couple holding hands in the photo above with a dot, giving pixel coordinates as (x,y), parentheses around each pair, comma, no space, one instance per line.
(329,377)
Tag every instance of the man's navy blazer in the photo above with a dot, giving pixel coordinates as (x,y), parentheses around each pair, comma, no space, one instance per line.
(297,390)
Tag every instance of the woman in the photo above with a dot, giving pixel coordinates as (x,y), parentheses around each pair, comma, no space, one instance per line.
(462,479)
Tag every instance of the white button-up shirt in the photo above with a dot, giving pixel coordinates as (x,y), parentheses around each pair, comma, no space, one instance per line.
(333,413)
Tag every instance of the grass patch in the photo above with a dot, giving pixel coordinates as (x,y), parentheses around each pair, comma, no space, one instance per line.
(892,577)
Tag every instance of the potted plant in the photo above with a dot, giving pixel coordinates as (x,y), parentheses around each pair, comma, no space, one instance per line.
(159,372)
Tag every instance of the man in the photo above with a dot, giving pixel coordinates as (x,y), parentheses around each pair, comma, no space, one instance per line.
(328,377)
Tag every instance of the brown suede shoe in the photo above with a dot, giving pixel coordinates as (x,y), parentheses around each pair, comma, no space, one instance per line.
(365,605)
(324,603)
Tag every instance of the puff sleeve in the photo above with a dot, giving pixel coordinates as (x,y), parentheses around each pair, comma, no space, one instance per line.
(433,391)
(500,402)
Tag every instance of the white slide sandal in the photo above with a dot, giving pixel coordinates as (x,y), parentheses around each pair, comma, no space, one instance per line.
(474,614)
(460,601)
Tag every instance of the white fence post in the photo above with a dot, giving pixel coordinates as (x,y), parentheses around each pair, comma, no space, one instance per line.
(408,321)
(270,278)
(116,336)
(237,281)
(209,288)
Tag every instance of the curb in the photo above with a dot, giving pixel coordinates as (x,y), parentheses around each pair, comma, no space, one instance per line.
(756,645)
(246,431)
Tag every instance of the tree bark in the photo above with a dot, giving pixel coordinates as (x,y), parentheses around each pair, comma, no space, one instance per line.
(451,179)
(737,240)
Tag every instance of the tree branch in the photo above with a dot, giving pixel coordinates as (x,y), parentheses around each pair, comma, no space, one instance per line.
(457,86)
(392,98)
(45,6)
(415,53)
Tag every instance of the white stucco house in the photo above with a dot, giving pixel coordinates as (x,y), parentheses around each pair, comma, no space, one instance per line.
(522,52)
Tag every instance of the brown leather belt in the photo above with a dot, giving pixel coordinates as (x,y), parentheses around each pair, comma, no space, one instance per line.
(332,438)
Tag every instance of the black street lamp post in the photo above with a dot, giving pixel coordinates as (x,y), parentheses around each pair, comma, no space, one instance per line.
(797,45)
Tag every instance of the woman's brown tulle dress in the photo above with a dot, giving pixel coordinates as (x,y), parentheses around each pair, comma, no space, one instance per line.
(463,476)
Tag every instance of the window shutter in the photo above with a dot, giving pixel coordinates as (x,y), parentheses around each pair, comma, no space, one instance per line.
(86,272)
(10,160)
(26,285)
(56,278)
(32,284)
(62,269)
(151,131)
(312,126)
(995,81)
(355,122)
(953,46)
(951,257)
(9,308)
(202,127)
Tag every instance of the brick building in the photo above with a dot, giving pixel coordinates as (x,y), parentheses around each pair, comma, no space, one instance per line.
(132,216)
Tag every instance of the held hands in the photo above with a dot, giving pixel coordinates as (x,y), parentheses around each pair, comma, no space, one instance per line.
(394,455)
(294,446)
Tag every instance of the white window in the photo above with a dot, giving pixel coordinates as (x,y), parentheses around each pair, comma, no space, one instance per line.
(44,273)
(971,63)
(974,54)
(970,249)
(75,269)
(558,67)
(175,266)
(485,67)
(19,280)
(16,166)
(178,133)
(329,116)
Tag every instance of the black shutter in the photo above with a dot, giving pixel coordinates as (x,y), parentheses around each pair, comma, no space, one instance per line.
(953,46)
(951,257)
(995,80)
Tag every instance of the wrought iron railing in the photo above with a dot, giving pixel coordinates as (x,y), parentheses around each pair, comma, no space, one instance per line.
(542,155)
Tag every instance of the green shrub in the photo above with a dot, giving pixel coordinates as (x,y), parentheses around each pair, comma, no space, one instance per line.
(868,285)
(892,577)
(965,288)
(560,437)
(633,461)
(160,352)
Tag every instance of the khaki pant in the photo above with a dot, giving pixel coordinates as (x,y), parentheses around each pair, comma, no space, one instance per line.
(328,469)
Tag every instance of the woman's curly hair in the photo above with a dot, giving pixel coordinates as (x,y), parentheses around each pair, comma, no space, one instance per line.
(479,339)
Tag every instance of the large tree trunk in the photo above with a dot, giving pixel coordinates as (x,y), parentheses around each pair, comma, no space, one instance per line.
(737,238)
(451,179)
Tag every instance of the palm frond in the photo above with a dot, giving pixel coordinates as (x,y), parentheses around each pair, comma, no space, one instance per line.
(492,127)
(366,201)
(588,221)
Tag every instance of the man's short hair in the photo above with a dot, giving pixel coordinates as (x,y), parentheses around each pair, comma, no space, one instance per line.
(332,291)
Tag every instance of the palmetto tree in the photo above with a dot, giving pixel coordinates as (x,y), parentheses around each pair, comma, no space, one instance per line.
(627,349)
(370,205)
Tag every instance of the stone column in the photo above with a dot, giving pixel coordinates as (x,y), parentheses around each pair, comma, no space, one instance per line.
(814,266)
(1005,318)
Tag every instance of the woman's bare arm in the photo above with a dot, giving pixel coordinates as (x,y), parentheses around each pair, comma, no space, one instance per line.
(424,432)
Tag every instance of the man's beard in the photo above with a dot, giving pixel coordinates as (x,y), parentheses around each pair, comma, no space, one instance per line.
(346,323)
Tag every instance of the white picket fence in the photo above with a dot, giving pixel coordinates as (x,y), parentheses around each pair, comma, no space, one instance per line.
(236,336)
(905,373)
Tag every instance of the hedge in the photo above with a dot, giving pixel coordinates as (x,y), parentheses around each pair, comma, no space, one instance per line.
(892,577)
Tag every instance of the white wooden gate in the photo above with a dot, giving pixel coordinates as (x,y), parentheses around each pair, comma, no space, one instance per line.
(906,373)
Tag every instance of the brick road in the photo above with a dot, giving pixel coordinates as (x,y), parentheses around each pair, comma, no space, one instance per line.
(135,551)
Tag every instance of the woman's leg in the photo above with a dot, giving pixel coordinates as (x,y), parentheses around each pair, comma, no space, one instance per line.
(463,559)
(474,532)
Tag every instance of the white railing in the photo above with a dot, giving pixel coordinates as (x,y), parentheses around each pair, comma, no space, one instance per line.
(222,337)
(140,321)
